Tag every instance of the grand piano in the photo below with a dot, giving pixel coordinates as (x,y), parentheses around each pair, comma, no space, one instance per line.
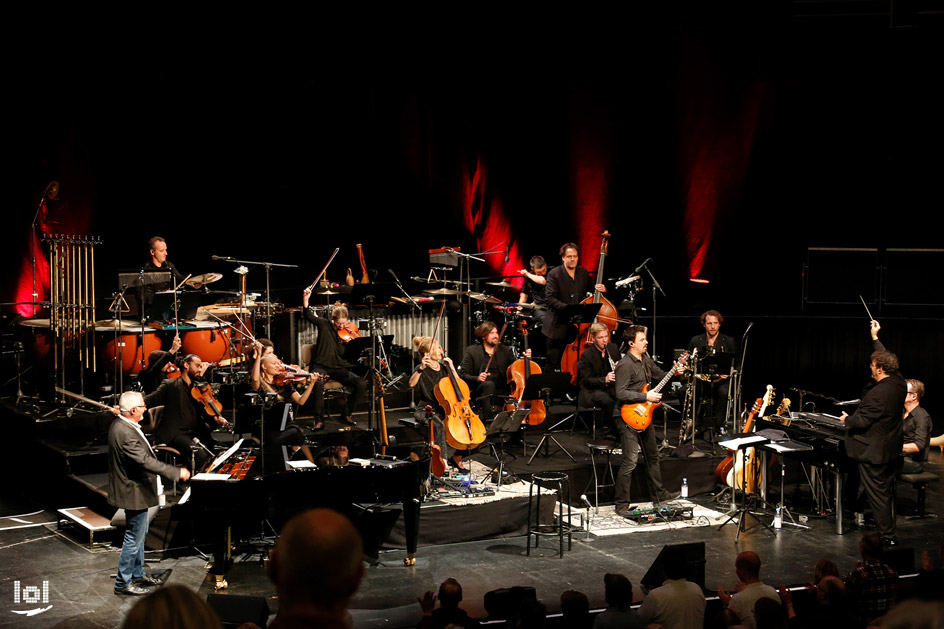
(245,498)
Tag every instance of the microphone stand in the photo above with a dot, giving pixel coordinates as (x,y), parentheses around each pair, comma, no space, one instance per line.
(655,287)
(268,268)
(734,389)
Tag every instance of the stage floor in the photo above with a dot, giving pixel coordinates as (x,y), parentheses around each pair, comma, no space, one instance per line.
(80,580)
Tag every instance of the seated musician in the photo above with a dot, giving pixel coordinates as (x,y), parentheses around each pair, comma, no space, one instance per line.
(596,371)
(424,379)
(328,359)
(534,282)
(714,394)
(269,374)
(184,418)
(160,364)
(917,430)
(484,367)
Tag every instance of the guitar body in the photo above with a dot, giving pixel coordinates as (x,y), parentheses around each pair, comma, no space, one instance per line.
(639,416)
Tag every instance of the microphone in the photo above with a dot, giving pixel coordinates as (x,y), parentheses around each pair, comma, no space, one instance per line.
(628,280)
(394,275)
(584,498)
(641,266)
(221,258)
(507,250)
(197,442)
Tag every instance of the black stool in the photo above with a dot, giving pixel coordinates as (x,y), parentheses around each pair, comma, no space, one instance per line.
(549,480)
(920,481)
(600,447)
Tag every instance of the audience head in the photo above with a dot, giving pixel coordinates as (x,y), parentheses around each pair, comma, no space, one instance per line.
(618,590)
(575,607)
(831,591)
(532,614)
(824,568)
(915,615)
(173,607)
(726,618)
(747,566)
(870,546)
(450,593)
(768,614)
(317,561)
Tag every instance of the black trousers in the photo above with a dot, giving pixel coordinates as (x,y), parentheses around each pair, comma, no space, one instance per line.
(631,443)
(876,483)
(355,384)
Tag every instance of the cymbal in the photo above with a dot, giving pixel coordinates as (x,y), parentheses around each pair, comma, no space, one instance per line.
(486,298)
(441,291)
(328,292)
(503,284)
(206,278)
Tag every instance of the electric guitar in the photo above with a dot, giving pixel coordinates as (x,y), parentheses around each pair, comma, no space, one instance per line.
(639,416)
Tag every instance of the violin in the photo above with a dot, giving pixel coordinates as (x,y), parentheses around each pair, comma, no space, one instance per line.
(173,373)
(294,375)
(202,392)
(518,374)
(348,332)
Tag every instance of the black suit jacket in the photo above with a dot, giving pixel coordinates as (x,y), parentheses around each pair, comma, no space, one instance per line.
(875,430)
(132,468)
(592,368)
(560,291)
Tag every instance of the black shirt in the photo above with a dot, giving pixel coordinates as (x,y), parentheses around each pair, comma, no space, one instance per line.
(328,351)
(475,359)
(917,430)
(534,291)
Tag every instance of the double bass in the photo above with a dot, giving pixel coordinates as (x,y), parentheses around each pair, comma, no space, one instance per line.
(607,315)
(518,374)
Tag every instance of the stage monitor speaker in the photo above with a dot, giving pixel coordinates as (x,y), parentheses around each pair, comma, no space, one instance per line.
(234,609)
(695,565)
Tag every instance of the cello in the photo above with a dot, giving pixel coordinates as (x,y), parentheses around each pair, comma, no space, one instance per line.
(518,374)
(437,462)
(464,429)
(607,315)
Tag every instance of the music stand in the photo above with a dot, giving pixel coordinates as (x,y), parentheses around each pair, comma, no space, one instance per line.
(544,386)
(709,367)
(505,423)
(370,294)
(579,313)
(752,440)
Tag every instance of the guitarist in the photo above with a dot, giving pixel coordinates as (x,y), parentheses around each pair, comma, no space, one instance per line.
(635,372)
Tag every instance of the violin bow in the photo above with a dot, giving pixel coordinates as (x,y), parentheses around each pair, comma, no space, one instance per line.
(320,275)
(500,336)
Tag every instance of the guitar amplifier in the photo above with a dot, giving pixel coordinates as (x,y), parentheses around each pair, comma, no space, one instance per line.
(666,513)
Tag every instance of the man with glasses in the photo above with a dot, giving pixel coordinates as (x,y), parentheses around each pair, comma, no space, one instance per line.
(133,486)
(917,430)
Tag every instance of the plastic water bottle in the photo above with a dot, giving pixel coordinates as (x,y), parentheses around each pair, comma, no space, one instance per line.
(684,488)
(778,520)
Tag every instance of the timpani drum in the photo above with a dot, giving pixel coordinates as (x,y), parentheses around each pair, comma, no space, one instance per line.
(37,340)
(125,348)
(210,340)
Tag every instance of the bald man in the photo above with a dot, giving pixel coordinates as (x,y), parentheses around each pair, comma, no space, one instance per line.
(316,566)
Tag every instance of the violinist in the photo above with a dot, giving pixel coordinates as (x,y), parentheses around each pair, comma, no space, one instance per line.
(270,374)
(596,370)
(160,365)
(259,380)
(485,365)
(425,377)
(328,358)
(184,418)
(567,284)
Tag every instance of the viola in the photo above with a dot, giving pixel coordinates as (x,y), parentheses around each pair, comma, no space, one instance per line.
(464,429)
(202,392)
(349,332)
(437,462)
(518,374)
(608,316)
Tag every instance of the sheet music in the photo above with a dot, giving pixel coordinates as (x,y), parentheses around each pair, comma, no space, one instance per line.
(220,460)
(736,444)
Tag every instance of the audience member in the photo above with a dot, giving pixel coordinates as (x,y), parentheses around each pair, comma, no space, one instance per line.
(532,615)
(831,611)
(618,593)
(768,614)
(872,584)
(171,607)
(575,609)
(750,588)
(931,579)
(677,602)
(724,619)
(316,566)
(916,615)
(449,612)
(824,568)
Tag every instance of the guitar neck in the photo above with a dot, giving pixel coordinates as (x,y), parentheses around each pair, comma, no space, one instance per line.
(666,379)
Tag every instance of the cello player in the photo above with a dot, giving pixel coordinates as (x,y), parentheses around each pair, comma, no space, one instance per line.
(424,379)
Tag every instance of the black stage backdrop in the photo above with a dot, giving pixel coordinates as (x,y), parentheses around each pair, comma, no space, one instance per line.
(722,143)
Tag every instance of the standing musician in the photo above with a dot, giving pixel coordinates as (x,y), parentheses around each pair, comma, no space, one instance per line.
(160,364)
(328,358)
(874,435)
(424,379)
(492,354)
(634,372)
(133,486)
(713,394)
(566,285)
(184,418)
(159,261)
(596,371)
(535,282)
(266,371)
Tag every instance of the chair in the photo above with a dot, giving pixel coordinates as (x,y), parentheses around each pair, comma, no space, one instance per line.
(163,451)
(601,447)
(920,481)
(333,390)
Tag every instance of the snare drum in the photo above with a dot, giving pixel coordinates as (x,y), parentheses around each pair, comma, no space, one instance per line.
(126,348)
(210,340)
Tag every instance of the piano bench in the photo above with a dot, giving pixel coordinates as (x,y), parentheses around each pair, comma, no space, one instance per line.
(920,482)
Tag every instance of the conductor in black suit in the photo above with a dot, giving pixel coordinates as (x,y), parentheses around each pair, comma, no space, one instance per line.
(874,434)
(133,486)
(596,371)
